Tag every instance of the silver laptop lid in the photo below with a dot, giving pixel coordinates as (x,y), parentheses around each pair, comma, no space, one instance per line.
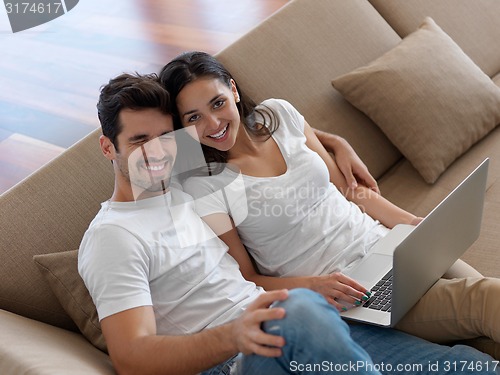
(438,241)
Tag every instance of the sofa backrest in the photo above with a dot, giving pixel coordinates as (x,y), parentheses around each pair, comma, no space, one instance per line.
(473,25)
(49,212)
(295,54)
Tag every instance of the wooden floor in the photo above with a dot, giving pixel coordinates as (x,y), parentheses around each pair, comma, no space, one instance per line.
(50,75)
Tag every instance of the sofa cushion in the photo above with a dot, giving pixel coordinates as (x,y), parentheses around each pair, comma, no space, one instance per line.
(30,347)
(404,186)
(428,97)
(61,272)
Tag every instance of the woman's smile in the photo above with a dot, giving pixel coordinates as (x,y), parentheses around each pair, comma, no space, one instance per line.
(221,135)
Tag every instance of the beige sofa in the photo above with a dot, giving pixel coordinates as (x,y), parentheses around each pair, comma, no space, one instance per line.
(293,55)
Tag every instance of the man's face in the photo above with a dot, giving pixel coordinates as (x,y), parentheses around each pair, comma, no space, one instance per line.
(146,151)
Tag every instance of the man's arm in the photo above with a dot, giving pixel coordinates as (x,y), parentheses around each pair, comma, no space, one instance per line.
(135,348)
(349,163)
(372,203)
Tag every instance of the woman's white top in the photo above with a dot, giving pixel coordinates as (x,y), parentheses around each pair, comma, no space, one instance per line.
(294,224)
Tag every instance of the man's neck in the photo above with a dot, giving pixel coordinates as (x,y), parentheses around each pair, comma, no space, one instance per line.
(129,194)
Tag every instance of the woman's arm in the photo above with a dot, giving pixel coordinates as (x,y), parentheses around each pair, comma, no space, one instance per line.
(332,287)
(352,167)
(369,201)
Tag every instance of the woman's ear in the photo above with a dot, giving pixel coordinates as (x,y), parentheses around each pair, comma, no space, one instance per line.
(234,89)
(107,148)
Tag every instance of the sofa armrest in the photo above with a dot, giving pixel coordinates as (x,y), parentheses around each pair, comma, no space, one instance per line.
(31,347)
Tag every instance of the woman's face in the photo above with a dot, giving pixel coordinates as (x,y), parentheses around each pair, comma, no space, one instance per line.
(210,106)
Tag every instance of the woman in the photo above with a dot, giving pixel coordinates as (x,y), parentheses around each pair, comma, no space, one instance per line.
(299,225)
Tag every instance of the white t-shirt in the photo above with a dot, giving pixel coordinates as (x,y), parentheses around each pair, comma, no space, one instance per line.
(297,223)
(159,253)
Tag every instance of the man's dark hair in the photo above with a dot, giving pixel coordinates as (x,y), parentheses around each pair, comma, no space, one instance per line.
(129,91)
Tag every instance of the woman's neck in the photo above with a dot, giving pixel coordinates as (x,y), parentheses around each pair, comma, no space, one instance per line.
(245,145)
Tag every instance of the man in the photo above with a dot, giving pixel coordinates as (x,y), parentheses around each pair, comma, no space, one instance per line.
(173,305)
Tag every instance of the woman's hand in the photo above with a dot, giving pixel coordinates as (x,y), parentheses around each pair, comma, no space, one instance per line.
(339,287)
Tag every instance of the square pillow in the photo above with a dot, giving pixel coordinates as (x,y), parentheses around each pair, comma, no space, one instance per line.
(61,272)
(427,96)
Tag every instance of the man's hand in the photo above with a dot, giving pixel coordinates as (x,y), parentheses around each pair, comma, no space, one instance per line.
(352,167)
(416,220)
(247,333)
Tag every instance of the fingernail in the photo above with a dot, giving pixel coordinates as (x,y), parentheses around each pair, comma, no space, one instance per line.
(344,308)
(364,298)
(368,293)
(357,303)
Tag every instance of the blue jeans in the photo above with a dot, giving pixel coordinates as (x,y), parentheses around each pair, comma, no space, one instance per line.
(318,341)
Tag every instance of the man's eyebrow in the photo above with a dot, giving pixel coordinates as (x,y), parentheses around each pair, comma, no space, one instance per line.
(142,137)
(138,137)
(209,102)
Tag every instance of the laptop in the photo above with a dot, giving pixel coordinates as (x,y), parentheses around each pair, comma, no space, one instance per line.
(410,259)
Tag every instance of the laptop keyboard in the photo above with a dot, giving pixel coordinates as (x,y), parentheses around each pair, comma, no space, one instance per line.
(381,294)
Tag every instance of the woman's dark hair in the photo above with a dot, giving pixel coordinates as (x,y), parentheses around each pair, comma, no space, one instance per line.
(190,66)
(129,91)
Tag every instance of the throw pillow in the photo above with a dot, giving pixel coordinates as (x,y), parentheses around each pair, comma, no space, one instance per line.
(427,96)
(61,272)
